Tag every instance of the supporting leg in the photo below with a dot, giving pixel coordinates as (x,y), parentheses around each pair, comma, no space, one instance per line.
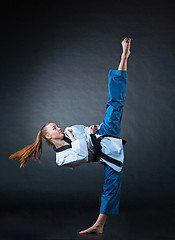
(110,199)
(98,226)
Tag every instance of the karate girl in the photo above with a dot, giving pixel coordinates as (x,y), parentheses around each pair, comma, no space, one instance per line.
(74,146)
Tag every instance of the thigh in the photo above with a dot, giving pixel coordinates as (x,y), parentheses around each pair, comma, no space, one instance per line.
(111,124)
(112,179)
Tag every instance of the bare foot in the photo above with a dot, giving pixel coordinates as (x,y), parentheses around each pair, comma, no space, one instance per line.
(93,230)
(126,46)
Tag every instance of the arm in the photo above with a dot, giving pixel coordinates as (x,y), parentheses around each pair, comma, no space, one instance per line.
(78,154)
(74,156)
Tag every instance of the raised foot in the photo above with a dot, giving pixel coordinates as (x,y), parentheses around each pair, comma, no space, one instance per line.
(92,230)
(126,46)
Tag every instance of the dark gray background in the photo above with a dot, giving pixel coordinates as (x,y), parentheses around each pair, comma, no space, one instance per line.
(55,59)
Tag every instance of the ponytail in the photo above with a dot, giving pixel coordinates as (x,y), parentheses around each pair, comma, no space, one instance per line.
(28,151)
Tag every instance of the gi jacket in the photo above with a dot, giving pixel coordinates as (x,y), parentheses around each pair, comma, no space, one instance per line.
(81,150)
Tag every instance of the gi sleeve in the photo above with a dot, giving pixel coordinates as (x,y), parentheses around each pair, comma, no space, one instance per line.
(79,147)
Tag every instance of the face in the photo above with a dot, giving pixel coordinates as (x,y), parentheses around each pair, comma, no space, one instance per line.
(54,132)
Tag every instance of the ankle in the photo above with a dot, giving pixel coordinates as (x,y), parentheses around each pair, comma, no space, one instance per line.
(124,56)
(99,225)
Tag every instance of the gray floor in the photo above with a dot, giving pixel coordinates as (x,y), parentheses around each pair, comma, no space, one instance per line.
(143,221)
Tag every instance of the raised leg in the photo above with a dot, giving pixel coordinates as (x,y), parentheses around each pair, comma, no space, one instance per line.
(125,54)
(117,86)
(114,107)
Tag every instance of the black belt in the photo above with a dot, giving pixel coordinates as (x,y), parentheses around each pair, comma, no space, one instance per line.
(99,154)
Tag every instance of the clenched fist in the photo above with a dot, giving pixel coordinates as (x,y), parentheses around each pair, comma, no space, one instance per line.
(70,135)
(93,129)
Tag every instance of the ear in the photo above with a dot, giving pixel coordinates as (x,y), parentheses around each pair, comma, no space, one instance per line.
(48,136)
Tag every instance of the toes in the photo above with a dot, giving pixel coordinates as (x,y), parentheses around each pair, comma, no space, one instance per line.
(88,231)
(83,231)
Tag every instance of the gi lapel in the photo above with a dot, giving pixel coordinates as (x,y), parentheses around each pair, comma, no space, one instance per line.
(63,147)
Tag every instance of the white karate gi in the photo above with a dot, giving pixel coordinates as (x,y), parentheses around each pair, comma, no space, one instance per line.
(81,150)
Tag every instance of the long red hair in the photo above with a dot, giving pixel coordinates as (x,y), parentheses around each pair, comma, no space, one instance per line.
(34,150)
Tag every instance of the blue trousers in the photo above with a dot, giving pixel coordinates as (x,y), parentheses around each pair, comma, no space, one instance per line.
(111,125)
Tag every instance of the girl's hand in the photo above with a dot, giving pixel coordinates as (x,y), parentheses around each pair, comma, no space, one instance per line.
(69,133)
(93,129)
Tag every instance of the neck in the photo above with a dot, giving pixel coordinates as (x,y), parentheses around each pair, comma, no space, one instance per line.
(59,142)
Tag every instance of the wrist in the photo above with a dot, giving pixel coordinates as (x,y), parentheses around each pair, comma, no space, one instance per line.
(73,139)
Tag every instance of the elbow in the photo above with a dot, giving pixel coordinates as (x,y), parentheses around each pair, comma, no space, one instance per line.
(85,153)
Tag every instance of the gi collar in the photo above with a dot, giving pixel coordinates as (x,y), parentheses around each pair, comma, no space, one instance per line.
(63,147)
